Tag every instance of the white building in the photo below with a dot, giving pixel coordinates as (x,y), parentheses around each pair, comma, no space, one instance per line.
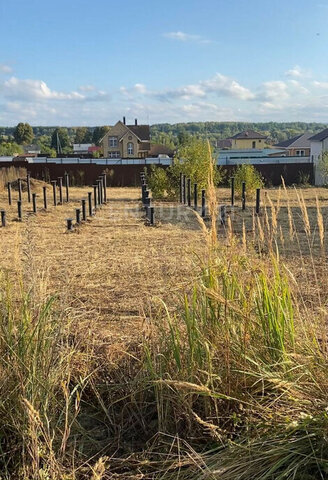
(319,144)
(81,147)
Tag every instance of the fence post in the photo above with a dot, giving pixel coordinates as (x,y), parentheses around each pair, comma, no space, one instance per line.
(99,192)
(105,186)
(203,204)
(243,195)
(60,183)
(184,188)
(84,210)
(78,215)
(257,208)
(181,188)
(90,203)
(19,189)
(195,196)
(9,193)
(152,216)
(67,186)
(69,224)
(3,218)
(19,210)
(54,192)
(232,191)
(45,204)
(95,188)
(34,202)
(222,214)
(101,182)
(189,192)
(28,182)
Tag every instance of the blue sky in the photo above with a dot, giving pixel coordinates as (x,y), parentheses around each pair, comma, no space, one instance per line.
(79,62)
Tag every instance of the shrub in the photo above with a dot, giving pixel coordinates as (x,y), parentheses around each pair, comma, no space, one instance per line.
(193,160)
(160,183)
(248,174)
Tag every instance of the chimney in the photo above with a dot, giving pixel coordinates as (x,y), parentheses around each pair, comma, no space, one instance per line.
(136,121)
(124,120)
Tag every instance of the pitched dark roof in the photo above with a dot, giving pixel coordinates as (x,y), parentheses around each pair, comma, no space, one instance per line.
(300,141)
(142,131)
(158,149)
(227,143)
(249,134)
(320,136)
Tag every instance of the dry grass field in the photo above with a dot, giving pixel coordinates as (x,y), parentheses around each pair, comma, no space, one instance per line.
(113,268)
(103,381)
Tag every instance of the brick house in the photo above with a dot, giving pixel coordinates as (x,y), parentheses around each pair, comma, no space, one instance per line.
(126,141)
(298,146)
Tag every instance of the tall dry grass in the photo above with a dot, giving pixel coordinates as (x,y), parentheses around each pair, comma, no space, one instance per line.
(232,385)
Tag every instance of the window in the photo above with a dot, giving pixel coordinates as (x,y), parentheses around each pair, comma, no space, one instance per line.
(254,144)
(300,153)
(112,141)
(114,154)
(130,148)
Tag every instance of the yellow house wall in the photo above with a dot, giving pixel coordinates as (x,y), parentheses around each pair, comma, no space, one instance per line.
(247,143)
(116,131)
(129,137)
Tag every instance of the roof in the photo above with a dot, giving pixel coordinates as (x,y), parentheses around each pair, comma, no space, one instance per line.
(158,149)
(300,141)
(319,137)
(251,152)
(227,143)
(249,134)
(141,131)
(31,146)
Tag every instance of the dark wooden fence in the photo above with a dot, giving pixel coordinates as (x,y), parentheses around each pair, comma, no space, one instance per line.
(129,175)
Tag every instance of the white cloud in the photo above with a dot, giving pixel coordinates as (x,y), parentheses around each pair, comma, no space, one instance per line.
(298,72)
(87,88)
(5,68)
(219,97)
(323,85)
(219,85)
(27,90)
(186,37)
(274,90)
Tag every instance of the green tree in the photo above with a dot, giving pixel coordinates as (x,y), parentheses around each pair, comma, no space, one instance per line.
(160,183)
(249,175)
(10,148)
(23,133)
(194,159)
(64,141)
(323,166)
(98,133)
(83,135)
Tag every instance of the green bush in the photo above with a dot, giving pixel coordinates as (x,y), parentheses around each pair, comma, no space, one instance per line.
(248,174)
(160,183)
(194,160)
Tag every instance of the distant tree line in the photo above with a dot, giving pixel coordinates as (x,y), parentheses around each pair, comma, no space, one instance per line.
(172,135)
(175,134)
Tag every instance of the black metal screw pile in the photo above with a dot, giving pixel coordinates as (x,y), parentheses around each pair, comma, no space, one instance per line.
(96,199)
(186,195)
(3,218)
(243,196)
(150,212)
